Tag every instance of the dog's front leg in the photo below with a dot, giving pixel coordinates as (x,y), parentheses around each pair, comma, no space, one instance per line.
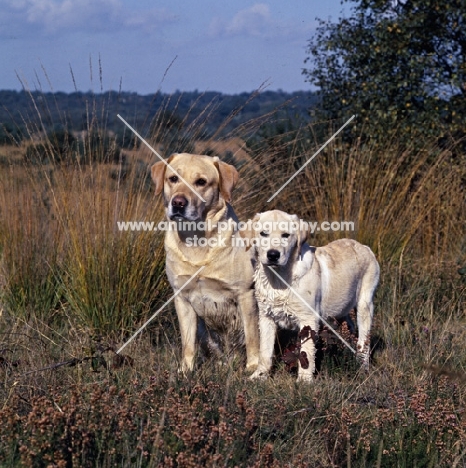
(308,319)
(249,314)
(307,375)
(187,319)
(267,332)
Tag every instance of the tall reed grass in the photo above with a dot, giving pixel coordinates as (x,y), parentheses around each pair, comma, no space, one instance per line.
(401,199)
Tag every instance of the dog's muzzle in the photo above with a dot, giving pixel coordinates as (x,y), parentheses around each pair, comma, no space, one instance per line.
(178,207)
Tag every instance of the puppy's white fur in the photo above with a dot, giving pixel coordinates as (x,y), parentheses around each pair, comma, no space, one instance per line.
(333,280)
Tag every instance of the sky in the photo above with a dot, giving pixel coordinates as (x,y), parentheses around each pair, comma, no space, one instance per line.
(144,46)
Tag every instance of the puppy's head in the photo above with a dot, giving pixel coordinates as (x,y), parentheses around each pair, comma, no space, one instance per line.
(186,179)
(278,237)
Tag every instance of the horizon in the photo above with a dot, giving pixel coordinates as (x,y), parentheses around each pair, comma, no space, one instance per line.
(177,91)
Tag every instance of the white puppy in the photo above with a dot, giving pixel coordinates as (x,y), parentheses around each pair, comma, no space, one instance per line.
(332,280)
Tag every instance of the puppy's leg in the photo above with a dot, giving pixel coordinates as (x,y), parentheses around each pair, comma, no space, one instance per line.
(188,327)
(365,311)
(307,375)
(267,332)
(249,315)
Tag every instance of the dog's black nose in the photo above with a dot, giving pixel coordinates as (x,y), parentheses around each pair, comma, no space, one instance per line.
(179,202)
(273,255)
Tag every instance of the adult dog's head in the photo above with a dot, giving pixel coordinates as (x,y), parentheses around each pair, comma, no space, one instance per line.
(278,237)
(193,185)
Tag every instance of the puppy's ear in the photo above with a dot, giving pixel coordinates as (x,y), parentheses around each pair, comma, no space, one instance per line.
(302,231)
(249,234)
(228,178)
(157,172)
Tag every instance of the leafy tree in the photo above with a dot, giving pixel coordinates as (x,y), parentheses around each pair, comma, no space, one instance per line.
(398,65)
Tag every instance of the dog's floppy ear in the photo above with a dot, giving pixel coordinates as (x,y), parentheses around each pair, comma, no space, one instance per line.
(228,178)
(249,233)
(302,230)
(157,172)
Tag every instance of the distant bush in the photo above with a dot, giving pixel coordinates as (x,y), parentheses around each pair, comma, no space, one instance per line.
(99,146)
(61,146)
(9,134)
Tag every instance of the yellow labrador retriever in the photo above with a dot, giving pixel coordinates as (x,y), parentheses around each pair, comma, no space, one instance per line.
(333,280)
(217,308)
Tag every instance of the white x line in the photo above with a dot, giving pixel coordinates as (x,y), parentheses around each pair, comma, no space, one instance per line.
(200,269)
(307,162)
(313,310)
(158,155)
(161,308)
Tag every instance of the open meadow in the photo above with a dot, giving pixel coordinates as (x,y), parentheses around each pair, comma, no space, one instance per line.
(74,288)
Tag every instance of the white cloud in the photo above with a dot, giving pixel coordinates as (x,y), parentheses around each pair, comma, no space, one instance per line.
(58,16)
(257,21)
(253,21)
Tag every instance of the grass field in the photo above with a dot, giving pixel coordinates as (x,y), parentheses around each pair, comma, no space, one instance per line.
(73,289)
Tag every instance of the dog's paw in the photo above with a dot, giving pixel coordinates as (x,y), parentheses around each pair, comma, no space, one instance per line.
(364,359)
(305,377)
(182,371)
(364,363)
(259,374)
(252,366)
(185,369)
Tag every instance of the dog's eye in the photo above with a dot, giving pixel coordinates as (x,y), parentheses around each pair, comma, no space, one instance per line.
(173,178)
(201,182)
(264,234)
(285,235)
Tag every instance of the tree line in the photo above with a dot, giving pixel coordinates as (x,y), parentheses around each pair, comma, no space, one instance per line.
(25,114)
